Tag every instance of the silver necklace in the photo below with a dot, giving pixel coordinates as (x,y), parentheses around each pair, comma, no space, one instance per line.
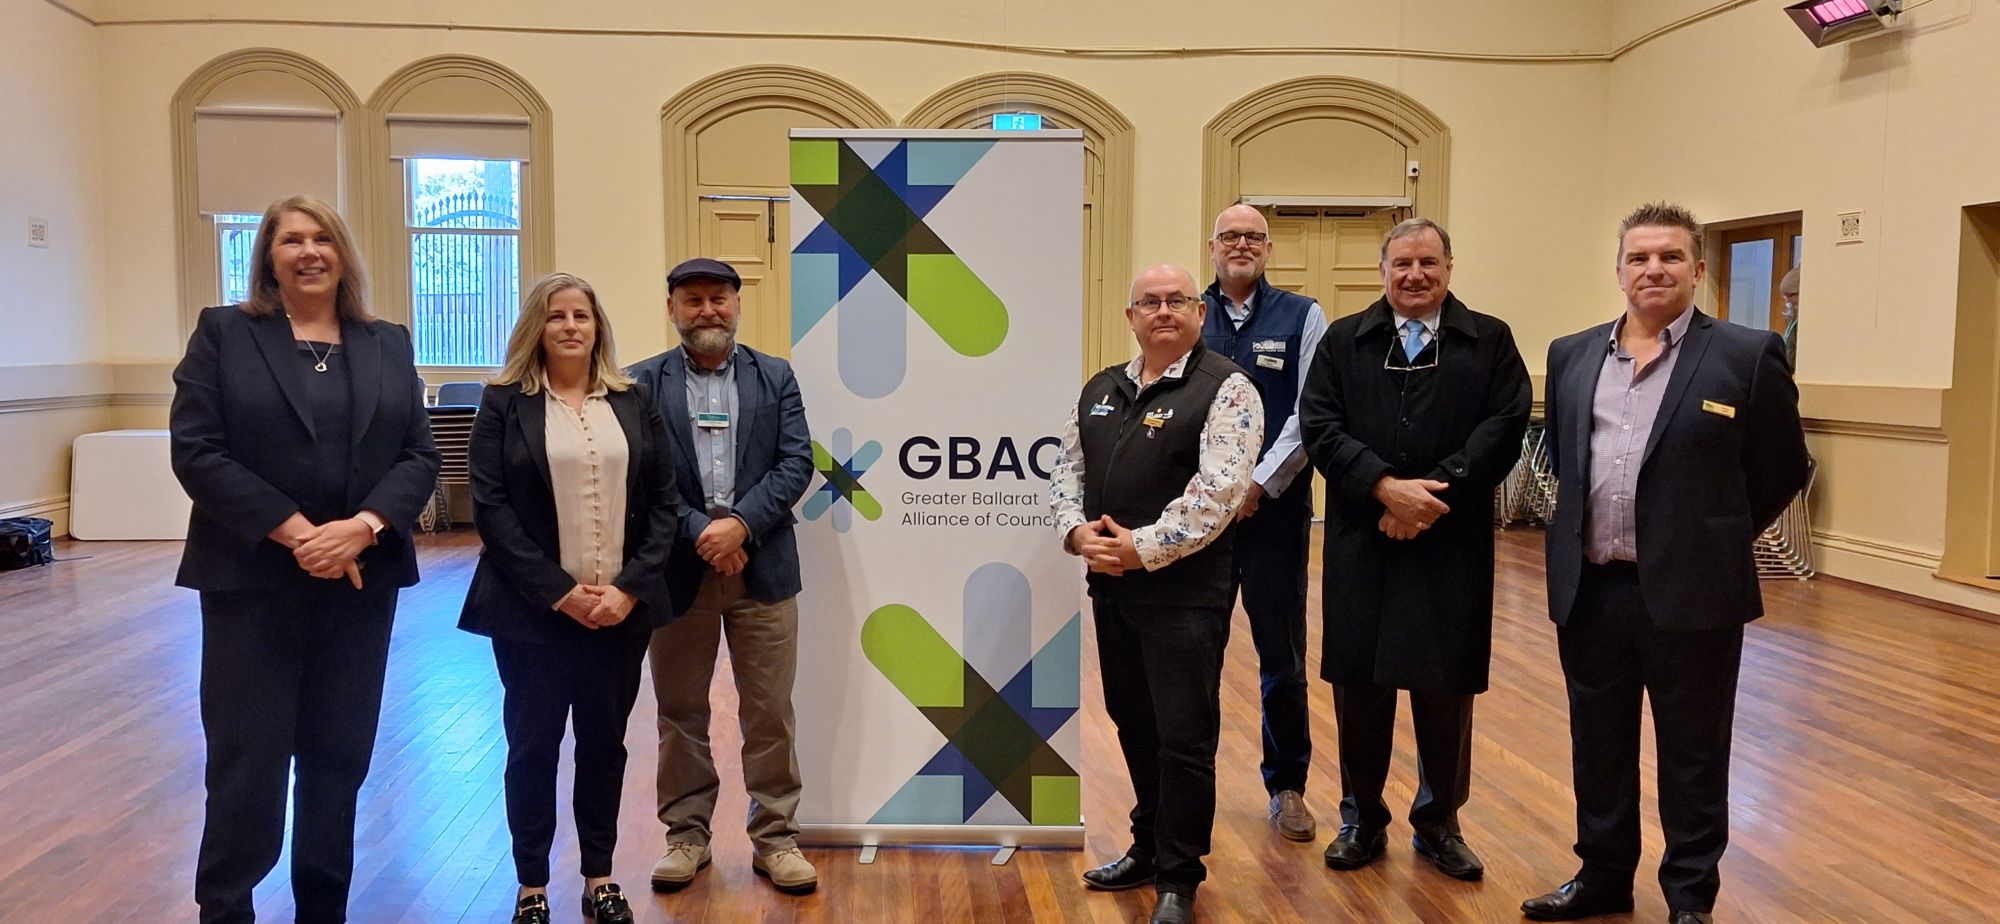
(319,362)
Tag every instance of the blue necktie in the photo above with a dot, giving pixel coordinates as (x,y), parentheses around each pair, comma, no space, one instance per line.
(1413,343)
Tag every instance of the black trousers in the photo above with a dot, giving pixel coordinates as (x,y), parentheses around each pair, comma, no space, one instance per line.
(1611,656)
(589,682)
(1271,552)
(1443,723)
(1162,669)
(291,689)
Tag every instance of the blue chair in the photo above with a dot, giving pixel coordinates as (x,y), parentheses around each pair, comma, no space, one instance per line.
(460,394)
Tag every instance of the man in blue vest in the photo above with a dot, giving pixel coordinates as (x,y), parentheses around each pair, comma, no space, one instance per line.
(1271,334)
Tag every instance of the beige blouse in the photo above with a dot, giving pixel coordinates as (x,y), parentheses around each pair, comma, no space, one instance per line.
(588,458)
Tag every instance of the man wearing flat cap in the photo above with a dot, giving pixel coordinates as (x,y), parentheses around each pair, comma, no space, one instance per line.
(737,426)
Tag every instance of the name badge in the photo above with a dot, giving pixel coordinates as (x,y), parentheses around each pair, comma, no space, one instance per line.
(712,420)
(1155,419)
(1268,361)
(1719,409)
(1102,407)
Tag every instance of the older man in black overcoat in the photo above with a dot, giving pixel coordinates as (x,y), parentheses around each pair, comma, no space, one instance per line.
(1413,409)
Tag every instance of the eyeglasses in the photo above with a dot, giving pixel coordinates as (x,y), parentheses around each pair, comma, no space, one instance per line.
(1248,237)
(1178,304)
(1397,361)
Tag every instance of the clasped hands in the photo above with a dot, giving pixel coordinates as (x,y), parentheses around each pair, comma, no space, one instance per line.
(1409,505)
(327,550)
(721,545)
(597,606)
(1106,546)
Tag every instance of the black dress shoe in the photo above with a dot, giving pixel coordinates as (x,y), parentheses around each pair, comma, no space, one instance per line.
(1355,847)
(1691,917)
(1573,900)
(532,909)
(1449,853)
(1173,908)
(1126,872)
(607,904)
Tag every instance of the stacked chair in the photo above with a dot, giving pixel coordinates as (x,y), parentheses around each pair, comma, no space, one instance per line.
(451,428)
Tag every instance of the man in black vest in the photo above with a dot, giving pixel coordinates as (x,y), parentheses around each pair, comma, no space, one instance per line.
(1156,459)
(1414,410)
(1271,334)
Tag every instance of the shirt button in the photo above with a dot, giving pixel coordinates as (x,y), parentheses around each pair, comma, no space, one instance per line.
(1628,426)
(1617,461)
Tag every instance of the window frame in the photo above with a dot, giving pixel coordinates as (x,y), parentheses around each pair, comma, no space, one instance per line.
(1780,232)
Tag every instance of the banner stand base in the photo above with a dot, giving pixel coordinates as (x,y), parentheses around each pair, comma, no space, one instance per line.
(1004,838)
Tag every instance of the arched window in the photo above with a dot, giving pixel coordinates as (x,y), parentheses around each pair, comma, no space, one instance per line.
(462,205)
(252,127)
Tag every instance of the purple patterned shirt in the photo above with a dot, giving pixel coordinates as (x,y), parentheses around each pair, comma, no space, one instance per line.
(1621,421)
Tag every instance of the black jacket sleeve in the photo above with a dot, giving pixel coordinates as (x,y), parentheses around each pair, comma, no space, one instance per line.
(1495,444)
(537,576)
(404,491)
(1350,467)
(226,491)
(1774,452)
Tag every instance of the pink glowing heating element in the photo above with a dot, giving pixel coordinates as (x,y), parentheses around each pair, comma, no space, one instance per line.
(1833,11)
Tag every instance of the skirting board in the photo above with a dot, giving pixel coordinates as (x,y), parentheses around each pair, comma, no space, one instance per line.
(1906,571)
(54,509)
(941,836)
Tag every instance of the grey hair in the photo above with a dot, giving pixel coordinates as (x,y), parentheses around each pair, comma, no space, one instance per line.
(1412,226)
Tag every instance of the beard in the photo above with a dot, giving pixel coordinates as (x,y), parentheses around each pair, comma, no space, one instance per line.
(709,339)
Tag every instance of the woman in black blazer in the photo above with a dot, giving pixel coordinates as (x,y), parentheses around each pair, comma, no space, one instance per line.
(299,432)
(573,493)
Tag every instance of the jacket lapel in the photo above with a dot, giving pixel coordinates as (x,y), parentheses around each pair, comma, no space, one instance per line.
(531,414)
(364,367)
(750,394)
(273,334)
(1581,392)
(1693,344)
(680,429)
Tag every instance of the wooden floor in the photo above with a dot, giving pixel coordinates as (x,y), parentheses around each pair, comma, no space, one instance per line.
(1866,780)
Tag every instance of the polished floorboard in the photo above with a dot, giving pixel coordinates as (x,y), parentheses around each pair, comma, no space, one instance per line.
(1866,782)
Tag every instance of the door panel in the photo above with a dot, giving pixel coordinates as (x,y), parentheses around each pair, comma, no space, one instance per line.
(741,232)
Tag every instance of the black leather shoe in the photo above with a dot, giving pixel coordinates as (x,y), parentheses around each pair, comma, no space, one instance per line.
(1355,847)
(1173,908)
(1573,900)
(1449,853)
(1691,917)
(607,905)
(1126,872)
(532,909)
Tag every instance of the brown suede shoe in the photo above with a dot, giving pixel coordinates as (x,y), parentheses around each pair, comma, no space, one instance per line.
(1294,821)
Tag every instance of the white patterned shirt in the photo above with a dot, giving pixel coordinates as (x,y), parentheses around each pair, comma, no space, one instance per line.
(1230,438)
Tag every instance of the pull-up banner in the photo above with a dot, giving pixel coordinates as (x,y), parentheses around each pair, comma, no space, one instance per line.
(937,321)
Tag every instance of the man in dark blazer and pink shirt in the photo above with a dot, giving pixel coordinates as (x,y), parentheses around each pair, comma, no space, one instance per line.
(1676,439)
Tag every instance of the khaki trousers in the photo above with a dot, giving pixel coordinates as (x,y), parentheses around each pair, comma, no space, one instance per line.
(763,655)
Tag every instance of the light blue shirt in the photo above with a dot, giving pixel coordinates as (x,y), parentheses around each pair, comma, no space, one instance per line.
(714,392)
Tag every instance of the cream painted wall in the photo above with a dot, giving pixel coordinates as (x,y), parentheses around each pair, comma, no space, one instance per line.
(1900,126)
(51,304)
(1488,27)
(52,314)
(1524,138)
